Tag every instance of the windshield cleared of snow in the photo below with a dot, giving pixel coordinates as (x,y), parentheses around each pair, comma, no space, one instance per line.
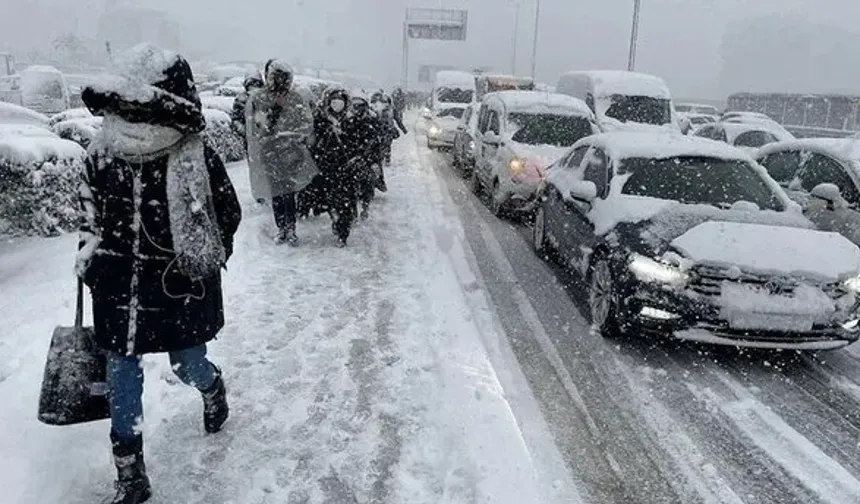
(548,129)
(698,180)
(639,109)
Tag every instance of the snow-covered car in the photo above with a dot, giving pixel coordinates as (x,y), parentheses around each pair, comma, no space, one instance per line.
(44,89)
(622,100)
(465,141)
(690,122)
(520,134)
(697,109)
(442,126)
(689,237)
(746,136)
(823,176)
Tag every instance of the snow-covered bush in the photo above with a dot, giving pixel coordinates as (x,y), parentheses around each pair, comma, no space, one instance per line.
(16,114)
(228,144)
(82,131)
(222,103)
(39,178)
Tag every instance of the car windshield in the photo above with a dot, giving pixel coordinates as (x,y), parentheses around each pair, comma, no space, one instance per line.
(548,129)
(640,109)
(451,112)
(454,95)
(698,180)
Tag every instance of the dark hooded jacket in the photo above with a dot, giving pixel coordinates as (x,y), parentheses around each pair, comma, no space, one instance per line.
(142,303)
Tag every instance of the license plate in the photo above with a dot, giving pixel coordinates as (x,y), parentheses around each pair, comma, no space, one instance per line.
(770,322)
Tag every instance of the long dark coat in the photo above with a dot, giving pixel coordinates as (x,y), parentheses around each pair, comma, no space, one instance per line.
(142,304)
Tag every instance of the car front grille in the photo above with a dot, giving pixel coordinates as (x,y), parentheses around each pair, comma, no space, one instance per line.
(708,281)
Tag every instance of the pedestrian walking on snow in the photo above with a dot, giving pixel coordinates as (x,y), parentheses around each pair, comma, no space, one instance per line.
(280,125)
(398,99)
(384,110)
(364,135)
(252,81)
(159,218)
(339,178)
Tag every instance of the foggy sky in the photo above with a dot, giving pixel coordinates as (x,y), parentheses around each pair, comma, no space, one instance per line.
(680,40)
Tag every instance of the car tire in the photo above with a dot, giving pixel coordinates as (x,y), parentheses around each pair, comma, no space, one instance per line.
(475,184)
(540,244)
(602,298)
(497,207)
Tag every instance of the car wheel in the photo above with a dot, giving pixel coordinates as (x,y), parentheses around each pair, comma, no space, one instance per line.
(539,241)
(496,204)
(475,184)
(601,299)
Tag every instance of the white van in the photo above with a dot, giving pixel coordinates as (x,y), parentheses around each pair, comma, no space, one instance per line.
(622,100)
(453,88)
(44,89)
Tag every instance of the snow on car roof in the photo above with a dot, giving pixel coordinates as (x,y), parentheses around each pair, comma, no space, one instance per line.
(846,149)
(629,144)
(16,114)
(40,69)
(620,82)
(734,129)
(523,101)
(455,78)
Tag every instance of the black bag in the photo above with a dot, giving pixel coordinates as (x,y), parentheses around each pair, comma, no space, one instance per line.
(74,387)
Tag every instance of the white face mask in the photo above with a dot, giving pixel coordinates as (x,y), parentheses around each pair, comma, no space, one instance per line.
(338,105)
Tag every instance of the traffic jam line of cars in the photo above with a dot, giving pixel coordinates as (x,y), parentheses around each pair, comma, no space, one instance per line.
(734,233)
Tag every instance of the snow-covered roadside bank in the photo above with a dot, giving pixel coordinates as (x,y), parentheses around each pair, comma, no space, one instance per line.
(355,375)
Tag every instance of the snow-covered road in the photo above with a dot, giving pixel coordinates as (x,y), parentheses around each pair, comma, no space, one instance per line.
(653,422)
(371,374)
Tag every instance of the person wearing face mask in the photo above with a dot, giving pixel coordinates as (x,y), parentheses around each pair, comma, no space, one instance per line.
(331,152)
(280,127)
(364,134)
(158,218)
(252,81)
(384,110)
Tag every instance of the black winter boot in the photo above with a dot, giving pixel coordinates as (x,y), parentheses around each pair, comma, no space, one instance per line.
(132,485)
(215,408)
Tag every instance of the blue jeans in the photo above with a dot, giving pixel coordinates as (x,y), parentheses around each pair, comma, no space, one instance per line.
(125,379)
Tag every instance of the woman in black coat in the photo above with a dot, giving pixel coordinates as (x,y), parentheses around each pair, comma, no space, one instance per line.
(160,215)
(338,178)
(364,133)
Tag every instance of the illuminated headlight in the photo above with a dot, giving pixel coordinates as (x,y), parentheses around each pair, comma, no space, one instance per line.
(649,270)
(434,130)
(517,166)
(852,285)
(471,145)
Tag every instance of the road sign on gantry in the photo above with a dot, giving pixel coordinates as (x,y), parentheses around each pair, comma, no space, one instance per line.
(437,24)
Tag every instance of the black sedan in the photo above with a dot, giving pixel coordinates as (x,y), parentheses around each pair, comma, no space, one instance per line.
(689,237)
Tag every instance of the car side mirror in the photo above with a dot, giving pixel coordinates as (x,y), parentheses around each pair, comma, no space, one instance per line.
(583,191)
(830,194)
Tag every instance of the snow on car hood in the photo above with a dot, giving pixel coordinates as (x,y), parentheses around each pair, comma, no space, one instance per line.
(769,249)
(543,155)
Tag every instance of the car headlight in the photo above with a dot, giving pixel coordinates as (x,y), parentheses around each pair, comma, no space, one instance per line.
(434,130)
(648,270)
(517,166)
(852,285)
(471,145)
